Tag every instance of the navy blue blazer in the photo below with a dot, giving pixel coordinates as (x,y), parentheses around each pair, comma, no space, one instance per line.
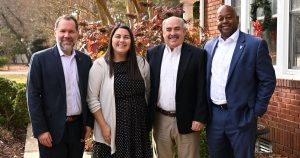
(190,86)
(46,92)
(251,79)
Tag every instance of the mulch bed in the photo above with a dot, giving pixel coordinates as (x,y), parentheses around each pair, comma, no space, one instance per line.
(12,144)
(272,155)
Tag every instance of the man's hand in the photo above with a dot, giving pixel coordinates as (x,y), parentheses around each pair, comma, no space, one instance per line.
(45,139)
(197,126)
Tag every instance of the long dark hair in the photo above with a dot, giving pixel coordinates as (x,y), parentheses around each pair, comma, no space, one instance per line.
(133,69)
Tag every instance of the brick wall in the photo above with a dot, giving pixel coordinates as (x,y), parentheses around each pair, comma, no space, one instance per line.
(210,11)
(283,118)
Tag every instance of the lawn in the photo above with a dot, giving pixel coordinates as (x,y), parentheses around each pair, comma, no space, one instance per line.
(19,78)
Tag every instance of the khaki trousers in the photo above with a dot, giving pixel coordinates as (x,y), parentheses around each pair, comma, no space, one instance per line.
(167,137)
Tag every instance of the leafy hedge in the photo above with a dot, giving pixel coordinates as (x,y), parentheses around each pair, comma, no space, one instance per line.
(3,60)
(13,109)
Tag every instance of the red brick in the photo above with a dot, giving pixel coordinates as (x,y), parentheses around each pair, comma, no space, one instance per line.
(295,91)
(294,113)
(272,113)
(291,107)
(297,96)
(281,105)
(297,131)
(285,100)
(290,123)
(295,102)
(273,108)
(297,108)
(290,95)
(276,119)
(297,119)
(273,103)
(281,94)
(286,117)
(277,99)
(287,90)
(285,111)
(278,89)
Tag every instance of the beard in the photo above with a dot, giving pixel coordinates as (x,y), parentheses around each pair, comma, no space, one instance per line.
(66,47)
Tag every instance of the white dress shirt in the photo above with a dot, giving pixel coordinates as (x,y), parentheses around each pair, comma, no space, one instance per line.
(220,67)
(168,79)
(71,81)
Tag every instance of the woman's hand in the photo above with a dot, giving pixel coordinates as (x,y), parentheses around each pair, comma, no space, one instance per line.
(106,133)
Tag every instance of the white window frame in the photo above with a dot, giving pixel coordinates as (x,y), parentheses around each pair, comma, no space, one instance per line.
(282,45)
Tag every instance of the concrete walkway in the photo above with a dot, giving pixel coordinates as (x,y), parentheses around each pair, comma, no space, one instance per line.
(31,146)
(14,72)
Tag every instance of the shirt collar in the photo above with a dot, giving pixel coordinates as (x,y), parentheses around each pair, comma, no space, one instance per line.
(234,37)
(61,53)
(177,49)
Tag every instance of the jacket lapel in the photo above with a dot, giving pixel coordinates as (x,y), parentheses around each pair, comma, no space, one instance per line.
(210,56)
(157,64)
(59,68)
(240,45)
(183,62)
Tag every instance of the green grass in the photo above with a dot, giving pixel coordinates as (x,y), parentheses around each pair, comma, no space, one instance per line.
(19,78)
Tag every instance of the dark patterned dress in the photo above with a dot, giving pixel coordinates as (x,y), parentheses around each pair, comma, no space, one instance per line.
(132,137)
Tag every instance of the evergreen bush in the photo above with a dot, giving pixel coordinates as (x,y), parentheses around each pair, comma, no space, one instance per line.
(13,109)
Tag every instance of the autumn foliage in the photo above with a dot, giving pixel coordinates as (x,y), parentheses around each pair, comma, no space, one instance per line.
(147,33)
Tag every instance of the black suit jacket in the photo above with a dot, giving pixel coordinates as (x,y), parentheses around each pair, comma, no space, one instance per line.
(46,92)
(190,87)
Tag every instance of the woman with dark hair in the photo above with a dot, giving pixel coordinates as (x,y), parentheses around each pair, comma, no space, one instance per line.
(118,89)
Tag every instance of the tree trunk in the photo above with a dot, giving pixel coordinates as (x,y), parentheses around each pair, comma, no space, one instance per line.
(103,7)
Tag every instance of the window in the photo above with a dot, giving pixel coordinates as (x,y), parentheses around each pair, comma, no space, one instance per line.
(236,4)
(294,37)
(269,35)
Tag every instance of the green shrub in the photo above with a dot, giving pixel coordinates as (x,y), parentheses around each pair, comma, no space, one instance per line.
(13,109)
(203,144)
(3,60)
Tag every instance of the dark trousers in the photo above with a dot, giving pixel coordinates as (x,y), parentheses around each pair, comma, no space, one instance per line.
(227,141)
(70,146)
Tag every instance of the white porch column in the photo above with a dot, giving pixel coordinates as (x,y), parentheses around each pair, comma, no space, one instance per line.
(188,9)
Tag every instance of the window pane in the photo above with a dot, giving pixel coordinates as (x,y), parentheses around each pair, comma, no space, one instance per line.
(274,7)
(260,11)
(270,36)
(238,10)
(236,3)
(294,52)
(295,4)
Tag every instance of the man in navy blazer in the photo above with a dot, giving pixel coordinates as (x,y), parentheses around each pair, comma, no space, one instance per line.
(56,95)
(177,96)
(240,80)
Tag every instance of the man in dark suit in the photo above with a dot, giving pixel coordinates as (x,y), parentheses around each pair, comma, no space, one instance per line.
(177,97)
(56,94)
(240,80)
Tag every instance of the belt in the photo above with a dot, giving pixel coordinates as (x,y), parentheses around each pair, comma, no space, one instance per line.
(221,106)
(164,112)
(72,118)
